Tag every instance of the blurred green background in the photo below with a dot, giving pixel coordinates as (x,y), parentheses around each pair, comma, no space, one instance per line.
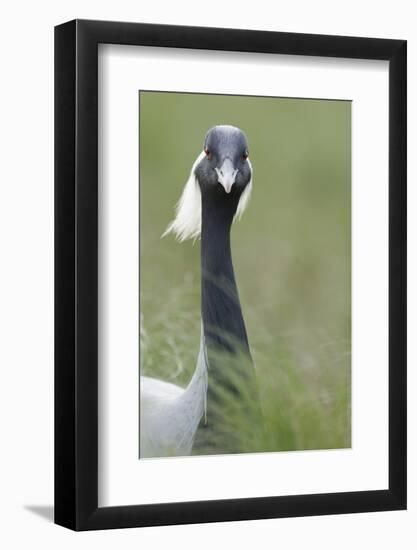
(291,253)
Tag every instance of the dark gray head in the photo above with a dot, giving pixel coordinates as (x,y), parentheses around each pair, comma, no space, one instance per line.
(225,167)
(222,174)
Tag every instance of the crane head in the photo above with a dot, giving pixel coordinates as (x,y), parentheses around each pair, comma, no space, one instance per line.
(222,172)
(224,167)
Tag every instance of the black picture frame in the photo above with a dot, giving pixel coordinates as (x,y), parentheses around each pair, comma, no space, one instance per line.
(76,272)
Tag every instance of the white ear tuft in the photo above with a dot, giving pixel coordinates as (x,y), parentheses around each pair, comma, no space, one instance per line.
(187,222)
(244,198)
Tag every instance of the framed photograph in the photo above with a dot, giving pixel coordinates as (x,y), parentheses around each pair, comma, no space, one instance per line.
(230,284)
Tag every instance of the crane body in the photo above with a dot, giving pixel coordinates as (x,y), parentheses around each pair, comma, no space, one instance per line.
(216,193)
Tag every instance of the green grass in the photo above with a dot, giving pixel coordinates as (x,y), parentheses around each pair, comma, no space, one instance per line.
(291,255)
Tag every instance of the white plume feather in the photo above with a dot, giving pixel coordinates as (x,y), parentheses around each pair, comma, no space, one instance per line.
(187,221)
(245,196)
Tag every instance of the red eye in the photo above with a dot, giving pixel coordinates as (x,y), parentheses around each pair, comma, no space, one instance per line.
(208,153)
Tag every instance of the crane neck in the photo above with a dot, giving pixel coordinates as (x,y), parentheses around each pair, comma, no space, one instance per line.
(231,376)
(223,323)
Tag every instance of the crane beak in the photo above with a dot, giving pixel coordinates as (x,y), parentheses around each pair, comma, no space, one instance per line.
(226,175)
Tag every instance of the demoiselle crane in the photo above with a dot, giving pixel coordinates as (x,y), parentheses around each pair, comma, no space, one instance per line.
(216,193)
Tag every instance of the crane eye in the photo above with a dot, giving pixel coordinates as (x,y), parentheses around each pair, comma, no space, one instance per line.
(245,155)
(208,153)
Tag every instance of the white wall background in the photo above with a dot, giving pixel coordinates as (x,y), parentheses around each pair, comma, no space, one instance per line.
(26,273)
